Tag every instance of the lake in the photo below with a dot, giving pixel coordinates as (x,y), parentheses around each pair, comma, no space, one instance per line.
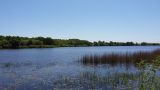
(32,69)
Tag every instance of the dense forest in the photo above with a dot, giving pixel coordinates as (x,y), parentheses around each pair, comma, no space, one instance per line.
(47,42)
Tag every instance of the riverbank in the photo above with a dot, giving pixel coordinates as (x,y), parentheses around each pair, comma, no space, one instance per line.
(15,42)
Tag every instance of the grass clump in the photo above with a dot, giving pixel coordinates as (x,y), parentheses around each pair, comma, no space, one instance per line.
(125,58)
(145,79)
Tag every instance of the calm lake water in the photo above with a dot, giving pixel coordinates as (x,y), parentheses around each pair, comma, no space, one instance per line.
(26,67)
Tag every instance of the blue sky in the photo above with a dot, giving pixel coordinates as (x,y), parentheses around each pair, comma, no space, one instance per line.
(116,20)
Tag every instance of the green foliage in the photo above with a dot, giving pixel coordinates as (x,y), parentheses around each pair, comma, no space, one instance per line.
(156,63)
(38,42)
(148,78)
(145,79)
(141,65)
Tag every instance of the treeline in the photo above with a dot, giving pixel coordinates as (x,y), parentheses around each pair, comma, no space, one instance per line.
(42,42)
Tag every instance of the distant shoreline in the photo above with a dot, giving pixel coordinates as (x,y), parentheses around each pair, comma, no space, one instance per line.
(71,47)
(16,42)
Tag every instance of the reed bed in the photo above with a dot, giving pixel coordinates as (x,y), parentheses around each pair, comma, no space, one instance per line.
(146,79)
(123,58)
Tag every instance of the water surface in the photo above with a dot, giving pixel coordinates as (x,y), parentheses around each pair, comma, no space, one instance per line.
(25,67)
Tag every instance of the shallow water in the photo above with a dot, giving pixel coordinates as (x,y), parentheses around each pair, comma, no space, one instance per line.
(29,67)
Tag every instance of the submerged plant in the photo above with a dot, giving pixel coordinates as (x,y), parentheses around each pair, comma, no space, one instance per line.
(7,65)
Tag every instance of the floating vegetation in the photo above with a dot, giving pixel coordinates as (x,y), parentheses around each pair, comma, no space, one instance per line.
(145,79)
(123,58)
(35,76)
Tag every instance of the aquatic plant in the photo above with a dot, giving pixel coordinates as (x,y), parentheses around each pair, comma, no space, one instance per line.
(8,65)
(149,79)
(123,58)
(145,79)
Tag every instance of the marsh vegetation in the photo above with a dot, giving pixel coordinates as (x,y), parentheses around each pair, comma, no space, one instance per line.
(120,58)
(120,68)
(146,78)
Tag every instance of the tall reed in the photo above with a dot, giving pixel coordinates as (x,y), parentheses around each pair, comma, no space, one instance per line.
(122,58)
